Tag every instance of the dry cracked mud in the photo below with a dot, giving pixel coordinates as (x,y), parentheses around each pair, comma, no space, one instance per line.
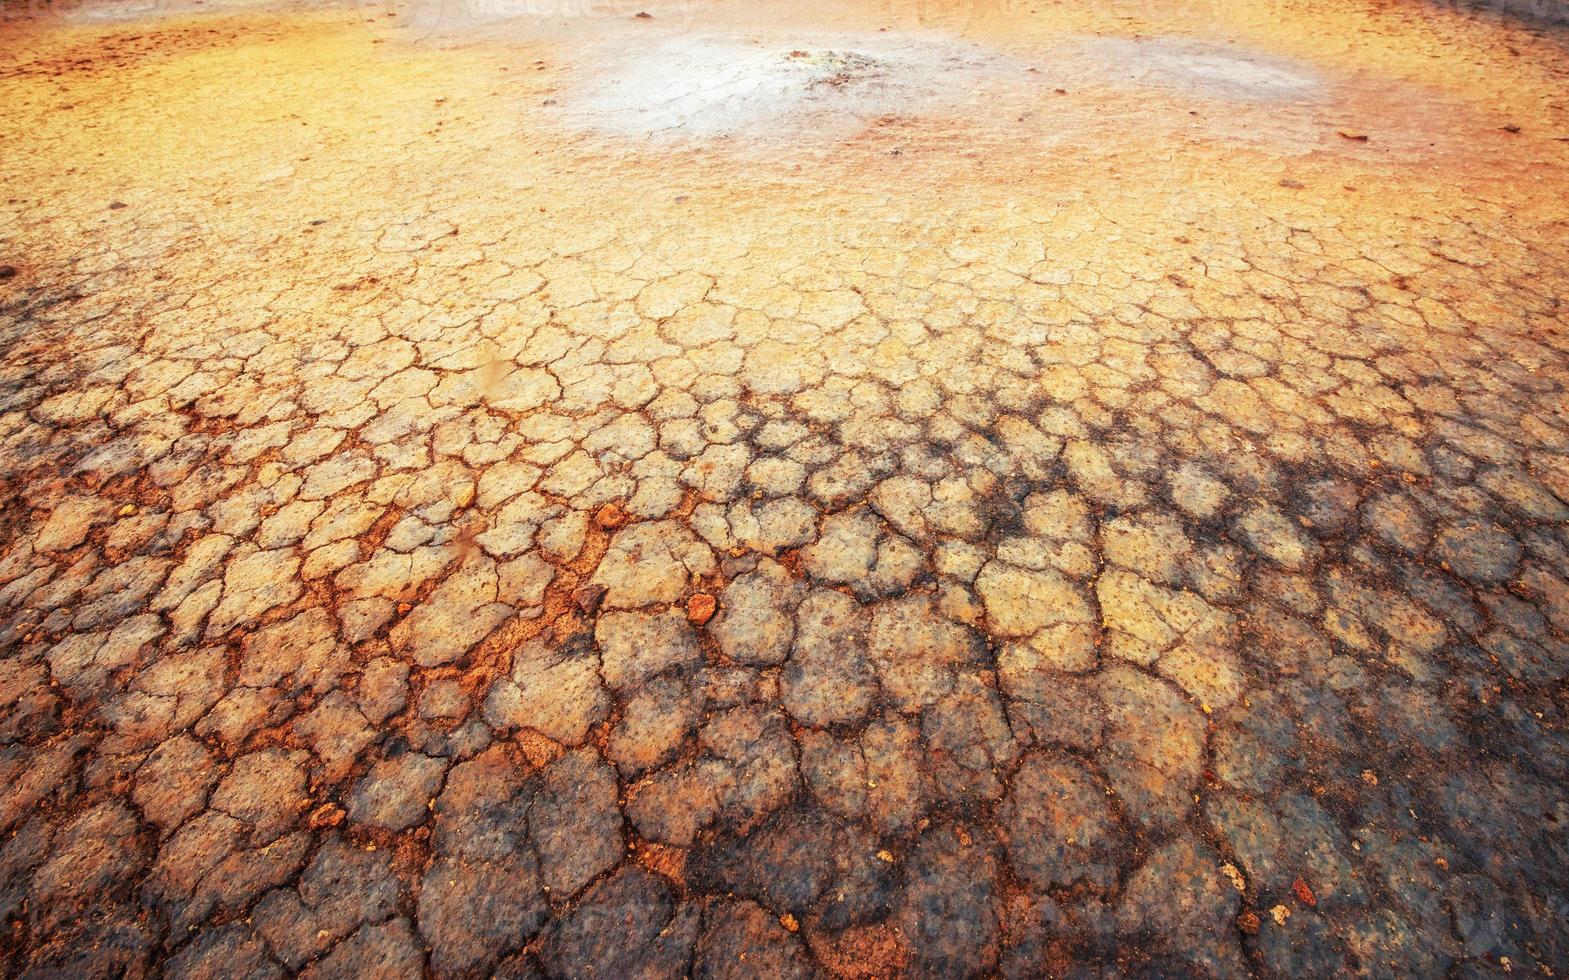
(848,490)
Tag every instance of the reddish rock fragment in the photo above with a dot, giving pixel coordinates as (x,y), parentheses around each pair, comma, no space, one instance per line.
(326,815)
(589,597)
(701,608)
(611,516)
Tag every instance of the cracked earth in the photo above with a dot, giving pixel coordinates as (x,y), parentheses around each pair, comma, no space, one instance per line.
(851,491)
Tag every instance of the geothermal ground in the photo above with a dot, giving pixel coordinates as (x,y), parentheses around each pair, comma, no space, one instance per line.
(727,489)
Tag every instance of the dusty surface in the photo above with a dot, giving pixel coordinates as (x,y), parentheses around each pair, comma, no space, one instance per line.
(898,490)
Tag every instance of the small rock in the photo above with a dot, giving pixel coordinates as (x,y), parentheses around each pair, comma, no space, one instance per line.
(701,608)
(589,597)
(610,516)
(326,815)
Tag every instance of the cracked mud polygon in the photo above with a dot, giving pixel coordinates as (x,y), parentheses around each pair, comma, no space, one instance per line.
(723,489)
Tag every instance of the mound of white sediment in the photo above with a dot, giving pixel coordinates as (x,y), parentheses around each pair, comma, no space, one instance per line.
(1203,68)
(718,86)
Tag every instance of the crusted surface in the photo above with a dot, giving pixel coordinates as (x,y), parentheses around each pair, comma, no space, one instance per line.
(1107,509)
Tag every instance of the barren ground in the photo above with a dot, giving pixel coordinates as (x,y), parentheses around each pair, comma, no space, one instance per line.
(783,490)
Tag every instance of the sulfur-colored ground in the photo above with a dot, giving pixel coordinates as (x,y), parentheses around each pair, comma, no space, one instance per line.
(1127,443)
